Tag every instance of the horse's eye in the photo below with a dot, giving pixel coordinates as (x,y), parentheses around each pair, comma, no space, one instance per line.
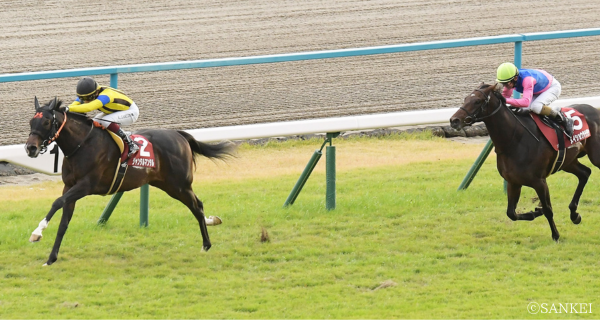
(46,123)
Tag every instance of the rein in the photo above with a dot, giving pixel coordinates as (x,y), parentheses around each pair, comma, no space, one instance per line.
(82,141)
(474,119)
(51,139)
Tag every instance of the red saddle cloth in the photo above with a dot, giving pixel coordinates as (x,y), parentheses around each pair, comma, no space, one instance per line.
(144,157)
(581,131)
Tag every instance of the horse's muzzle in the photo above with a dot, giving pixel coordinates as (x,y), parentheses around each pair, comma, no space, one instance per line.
(32,150)
(456,123)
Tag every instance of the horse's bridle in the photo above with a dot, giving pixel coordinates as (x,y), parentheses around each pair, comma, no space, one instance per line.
(54,132)
(53,136)
(474,117)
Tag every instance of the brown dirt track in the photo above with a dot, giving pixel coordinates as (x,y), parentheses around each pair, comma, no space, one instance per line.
(53,35)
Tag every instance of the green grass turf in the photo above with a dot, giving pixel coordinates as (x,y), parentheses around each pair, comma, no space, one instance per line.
(402,243)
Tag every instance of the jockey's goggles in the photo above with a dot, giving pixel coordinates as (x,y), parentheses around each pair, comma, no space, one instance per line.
(88,97)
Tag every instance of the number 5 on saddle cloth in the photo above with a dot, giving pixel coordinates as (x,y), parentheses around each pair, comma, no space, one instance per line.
(553,131)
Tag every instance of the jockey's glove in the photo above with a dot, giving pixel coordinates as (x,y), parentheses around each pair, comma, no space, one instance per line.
(64,109)
(519,111)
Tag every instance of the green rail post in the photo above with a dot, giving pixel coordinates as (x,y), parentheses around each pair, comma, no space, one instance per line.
(476,166)
(144,197)
(110,207)
(330,178)
(312,163)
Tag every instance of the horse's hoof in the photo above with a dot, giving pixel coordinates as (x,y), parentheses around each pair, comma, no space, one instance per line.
(214,221)
(577,220)
(35,237)
(206,248)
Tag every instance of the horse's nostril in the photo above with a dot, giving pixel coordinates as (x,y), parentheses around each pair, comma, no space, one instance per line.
(455,123)
(31,149)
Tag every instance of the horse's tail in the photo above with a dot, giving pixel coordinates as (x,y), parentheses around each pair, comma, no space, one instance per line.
(221,150)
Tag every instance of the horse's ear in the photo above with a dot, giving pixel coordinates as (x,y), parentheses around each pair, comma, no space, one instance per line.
(54,104)
(498,87)
(37,104)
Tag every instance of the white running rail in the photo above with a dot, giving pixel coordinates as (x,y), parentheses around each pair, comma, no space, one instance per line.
(44,163)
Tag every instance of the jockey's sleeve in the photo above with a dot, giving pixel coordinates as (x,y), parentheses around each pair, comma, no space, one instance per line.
(75,103)
(507,92)
(527,96)
(86,107)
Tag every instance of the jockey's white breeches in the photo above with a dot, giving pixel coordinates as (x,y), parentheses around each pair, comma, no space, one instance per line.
(123,118)
(546,98)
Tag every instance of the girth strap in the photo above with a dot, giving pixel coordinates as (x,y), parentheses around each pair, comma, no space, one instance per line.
(560,156)
(118,178)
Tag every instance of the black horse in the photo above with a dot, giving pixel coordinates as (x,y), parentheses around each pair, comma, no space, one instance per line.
(92,158)
(524,156)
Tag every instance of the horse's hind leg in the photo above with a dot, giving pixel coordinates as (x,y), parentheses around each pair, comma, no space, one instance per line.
(187,196)
(541,188)
(583,173)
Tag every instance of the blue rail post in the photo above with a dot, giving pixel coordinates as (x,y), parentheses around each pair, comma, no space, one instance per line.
(488,147)
(144,190)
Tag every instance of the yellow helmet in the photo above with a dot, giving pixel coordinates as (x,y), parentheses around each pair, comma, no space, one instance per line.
(506,72)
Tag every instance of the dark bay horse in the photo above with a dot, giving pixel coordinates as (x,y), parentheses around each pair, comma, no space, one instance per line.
(524,156)
(91,160)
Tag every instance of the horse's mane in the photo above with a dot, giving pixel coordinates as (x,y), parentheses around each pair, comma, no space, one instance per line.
(79,116)
(497,92)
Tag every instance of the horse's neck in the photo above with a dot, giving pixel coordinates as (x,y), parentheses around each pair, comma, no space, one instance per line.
(501,128)
(72,135)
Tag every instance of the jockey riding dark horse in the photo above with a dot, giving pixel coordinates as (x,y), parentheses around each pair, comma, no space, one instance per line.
(92,156)
(524,156)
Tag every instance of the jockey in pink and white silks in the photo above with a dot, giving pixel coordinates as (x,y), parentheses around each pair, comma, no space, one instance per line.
(538,88)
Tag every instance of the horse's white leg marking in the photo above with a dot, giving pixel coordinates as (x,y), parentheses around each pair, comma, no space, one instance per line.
(213,221)
(36,235)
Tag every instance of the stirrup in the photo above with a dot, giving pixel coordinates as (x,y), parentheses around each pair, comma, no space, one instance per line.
(133,148)
(568,125)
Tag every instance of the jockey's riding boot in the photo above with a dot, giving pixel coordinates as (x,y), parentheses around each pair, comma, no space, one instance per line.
(133,147)
(566,122)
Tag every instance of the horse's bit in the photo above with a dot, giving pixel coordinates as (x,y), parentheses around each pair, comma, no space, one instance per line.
(472,117)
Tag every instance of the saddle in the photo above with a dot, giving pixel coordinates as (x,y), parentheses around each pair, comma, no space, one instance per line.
(142,158)
(556,136)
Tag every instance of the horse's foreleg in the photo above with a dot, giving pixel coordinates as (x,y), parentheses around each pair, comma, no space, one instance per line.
(583,173)
(77,192)
(36,235)
(62,229)
(541,188)
(513,192)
